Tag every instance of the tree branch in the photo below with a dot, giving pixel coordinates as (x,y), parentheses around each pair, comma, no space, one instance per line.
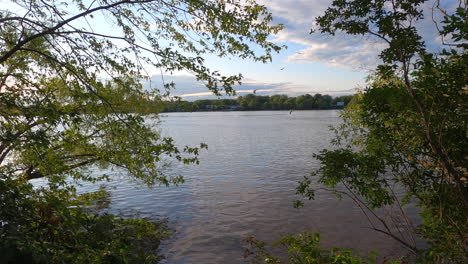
(436,148)
(50,30)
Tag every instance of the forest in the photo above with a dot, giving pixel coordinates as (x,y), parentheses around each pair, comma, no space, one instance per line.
(252,102)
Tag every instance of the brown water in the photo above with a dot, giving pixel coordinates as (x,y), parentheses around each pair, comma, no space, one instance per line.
(245,185)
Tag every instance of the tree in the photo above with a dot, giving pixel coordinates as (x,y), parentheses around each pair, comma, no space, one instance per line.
(406,131)
(69,89)
(408,127)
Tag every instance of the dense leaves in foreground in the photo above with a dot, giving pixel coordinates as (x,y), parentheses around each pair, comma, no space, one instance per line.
(70,94)
(304,248)
(252,102)
(42,225)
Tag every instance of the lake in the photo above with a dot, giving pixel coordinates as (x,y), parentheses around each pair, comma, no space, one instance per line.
(245,185)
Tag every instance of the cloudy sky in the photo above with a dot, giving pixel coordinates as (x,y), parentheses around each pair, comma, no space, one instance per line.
(313,63)
(310,64)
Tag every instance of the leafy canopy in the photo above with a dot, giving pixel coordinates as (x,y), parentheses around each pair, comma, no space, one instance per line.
(406,131)
(67,85)
(71,99)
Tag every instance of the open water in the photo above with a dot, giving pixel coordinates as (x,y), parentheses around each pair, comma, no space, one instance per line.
(245,185)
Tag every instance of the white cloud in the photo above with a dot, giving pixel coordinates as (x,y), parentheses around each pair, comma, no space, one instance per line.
(345,51)
(188,88)
(340,50)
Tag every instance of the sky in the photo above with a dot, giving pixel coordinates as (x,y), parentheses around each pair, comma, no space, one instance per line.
(312,63)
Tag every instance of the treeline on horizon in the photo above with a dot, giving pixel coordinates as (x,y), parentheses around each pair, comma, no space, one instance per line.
(252,102)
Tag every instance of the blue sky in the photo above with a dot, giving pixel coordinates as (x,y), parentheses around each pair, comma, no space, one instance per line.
(313,63)
(293,71)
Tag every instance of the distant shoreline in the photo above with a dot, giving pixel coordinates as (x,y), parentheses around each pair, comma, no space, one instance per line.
(261,110)
(252,102)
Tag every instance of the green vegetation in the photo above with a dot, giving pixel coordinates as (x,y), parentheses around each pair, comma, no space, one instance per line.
(253,102)
(405,132)
(68,96)
(57,226)
(304,248)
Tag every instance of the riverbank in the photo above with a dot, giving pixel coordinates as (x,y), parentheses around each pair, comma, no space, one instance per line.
(252,102)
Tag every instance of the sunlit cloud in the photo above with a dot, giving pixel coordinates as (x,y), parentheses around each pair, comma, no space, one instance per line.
(315,52)
(188,88)
(354,52)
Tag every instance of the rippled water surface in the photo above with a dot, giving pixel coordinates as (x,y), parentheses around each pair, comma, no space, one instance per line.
(245,185)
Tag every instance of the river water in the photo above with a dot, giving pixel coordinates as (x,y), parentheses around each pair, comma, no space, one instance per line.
(245,185)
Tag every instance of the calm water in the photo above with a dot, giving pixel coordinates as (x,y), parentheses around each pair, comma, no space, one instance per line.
(245,185)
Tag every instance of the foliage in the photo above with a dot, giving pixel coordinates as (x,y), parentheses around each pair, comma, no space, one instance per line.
(407,129)
(71,99)
(53,69)
(253,102)
(283,102)
(57,226)
(304,249)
